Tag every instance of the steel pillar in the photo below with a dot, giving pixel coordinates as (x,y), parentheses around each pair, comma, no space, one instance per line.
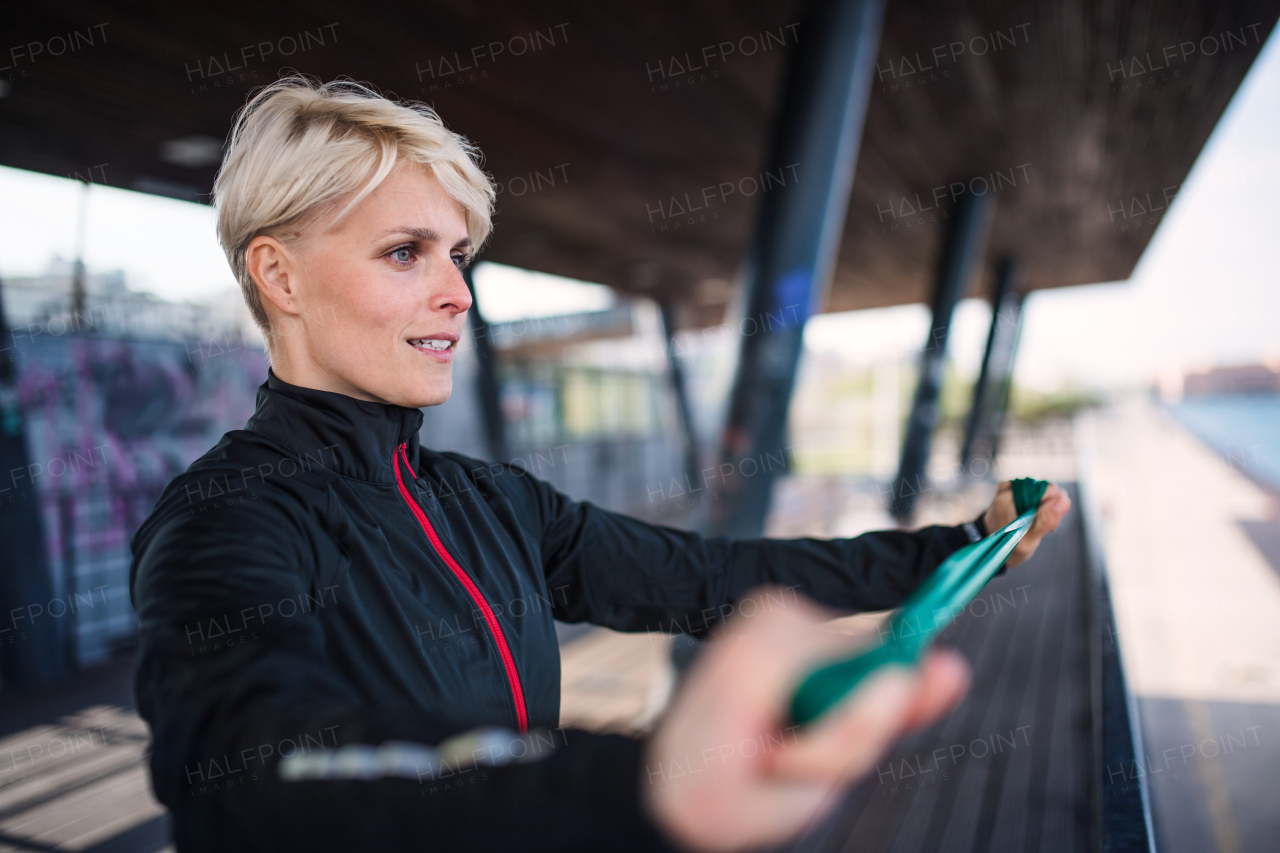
(32,649)
(991,393)
(962,256)
(681,393)
(488,387)
(801,220)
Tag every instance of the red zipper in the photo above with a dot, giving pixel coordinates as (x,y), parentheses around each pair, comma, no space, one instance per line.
(513,677)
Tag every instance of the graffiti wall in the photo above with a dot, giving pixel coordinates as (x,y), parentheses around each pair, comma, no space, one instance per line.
(108,423)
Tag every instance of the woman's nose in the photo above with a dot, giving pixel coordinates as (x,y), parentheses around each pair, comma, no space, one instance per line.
(455,295)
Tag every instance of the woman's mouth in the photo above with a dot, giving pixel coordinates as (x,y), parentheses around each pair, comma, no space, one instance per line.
(437,347)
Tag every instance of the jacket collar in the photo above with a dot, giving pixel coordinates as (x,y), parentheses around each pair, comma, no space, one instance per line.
(352,437)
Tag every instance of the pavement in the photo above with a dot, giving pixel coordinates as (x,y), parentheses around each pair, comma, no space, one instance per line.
(73,772)
(1193,549)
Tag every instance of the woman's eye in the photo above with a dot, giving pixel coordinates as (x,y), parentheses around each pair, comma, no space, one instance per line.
(402,256)
(461,261)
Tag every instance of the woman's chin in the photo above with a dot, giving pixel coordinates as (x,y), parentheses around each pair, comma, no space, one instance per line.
(423,394)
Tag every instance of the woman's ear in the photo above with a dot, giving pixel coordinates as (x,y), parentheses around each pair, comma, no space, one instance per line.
(274,270)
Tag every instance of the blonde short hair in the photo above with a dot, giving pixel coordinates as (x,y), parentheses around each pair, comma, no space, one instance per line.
(298,148)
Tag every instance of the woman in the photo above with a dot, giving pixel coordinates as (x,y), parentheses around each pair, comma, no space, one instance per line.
(321,598)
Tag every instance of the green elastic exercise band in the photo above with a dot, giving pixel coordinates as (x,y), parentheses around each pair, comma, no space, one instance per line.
(938,600)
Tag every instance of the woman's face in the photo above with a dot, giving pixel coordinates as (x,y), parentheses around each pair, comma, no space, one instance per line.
(374,307)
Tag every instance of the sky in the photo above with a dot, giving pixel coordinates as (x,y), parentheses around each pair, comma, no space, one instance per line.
(1206,291)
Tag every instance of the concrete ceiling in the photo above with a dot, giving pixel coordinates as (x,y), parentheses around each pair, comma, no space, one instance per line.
(629,143)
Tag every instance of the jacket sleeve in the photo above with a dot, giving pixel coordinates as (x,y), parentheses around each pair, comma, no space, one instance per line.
(632,575)
(228,690)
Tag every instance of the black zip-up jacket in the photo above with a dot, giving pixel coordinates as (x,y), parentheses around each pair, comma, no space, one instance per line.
(319,580)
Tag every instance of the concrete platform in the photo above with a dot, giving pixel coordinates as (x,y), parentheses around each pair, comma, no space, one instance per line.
(1193,550)
(73,772)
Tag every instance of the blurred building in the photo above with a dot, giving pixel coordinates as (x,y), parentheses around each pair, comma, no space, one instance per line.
(1241,379)
(42,306)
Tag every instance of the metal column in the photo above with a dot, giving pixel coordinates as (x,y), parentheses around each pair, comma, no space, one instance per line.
(792,258)
(962,256)
(32,645)
(991,393)
(680,392)
(488,388)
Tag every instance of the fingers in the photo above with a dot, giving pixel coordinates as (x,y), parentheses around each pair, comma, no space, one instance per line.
(733,701)
(1001,511)
(1053,508)
(847,742)
(724,724)
(1061,504)
(946,676)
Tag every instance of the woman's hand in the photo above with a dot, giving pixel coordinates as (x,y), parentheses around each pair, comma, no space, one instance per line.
(1053,507)
(726,771)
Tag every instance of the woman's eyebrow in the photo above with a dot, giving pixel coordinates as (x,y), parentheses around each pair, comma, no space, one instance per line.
(426,235)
